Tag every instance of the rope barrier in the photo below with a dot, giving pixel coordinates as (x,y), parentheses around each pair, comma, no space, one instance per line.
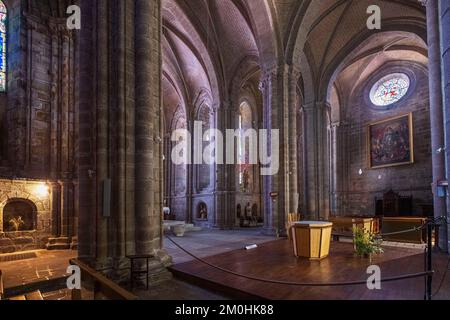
(402,232)
(299,284)
(435,221)
(444,276)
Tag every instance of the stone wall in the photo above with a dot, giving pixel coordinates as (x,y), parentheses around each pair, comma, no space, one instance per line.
(359,189)
(37,111)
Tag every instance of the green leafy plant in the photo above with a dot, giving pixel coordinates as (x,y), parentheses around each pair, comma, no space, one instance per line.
(366,243)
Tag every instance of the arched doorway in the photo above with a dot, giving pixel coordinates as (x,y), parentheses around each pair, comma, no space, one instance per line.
(19,215)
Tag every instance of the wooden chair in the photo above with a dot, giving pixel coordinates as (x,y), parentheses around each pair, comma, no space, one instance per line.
(291,220)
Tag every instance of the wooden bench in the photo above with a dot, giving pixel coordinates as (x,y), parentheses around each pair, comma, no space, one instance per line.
(343,226)
(398,224)
(103,287)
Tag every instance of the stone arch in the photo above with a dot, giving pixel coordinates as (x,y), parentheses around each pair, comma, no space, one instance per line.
(19,208)
(342,58)
(204,173)
(266,30)
(36,194)
(177,22)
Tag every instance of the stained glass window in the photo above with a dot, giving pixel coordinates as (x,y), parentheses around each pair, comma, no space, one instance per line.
(3,52)
(390,89)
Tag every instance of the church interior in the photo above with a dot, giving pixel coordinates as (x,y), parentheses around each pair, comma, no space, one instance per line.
(338,113)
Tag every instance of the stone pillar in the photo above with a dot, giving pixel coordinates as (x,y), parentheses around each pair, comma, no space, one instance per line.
(65,133)
(225,186)
(190,167)
(147,129)
(102,142)
(67,209)
(317,160)
(54,105)
(120,130)
(278,88)
(445,52)
(339,173)
(86,133)
(149,133)
(294,197)
(56,207)
(167,170)
(436,111)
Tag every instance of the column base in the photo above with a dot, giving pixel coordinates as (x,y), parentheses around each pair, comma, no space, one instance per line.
(74,243)
(158,272)
(273,232)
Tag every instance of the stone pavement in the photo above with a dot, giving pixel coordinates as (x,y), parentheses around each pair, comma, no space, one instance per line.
(45,265)
(212,242)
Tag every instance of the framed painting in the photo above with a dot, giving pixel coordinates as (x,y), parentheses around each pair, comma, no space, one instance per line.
(390,142)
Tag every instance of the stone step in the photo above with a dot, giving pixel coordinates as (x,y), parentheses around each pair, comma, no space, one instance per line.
(58,240)
(58,246)
(62,243)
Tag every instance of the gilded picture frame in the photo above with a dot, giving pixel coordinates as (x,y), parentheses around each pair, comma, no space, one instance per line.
(390,142)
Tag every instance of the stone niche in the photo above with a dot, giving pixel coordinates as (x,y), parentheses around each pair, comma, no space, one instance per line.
(25,215)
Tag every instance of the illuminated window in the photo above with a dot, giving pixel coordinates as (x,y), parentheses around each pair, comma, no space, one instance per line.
(3,52)
(390,89)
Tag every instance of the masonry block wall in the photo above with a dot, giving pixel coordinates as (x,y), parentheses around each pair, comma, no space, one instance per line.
(37,114)
(360,190)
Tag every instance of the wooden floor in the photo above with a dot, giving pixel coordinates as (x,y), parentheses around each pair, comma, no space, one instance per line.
(274,260)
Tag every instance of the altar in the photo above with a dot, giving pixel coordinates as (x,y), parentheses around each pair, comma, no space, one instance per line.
(312,239)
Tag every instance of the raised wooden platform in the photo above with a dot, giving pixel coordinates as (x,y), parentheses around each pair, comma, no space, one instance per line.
(275,260)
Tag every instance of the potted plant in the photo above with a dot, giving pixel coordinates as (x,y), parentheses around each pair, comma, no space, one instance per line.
(366,243)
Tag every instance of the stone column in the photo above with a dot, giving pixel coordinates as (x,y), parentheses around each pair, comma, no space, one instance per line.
(66,212)
(294,196)
(168,170)
(280,113)
(317,160)
(339,167)
(65,133)
(102,140)
(445,52)
(149,133)
(86,148)
(436,111)
(225,186)
(54,105)
(56,208)
(190,167)
(146,84)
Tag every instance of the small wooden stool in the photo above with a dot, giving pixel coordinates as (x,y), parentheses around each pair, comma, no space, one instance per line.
(133,272)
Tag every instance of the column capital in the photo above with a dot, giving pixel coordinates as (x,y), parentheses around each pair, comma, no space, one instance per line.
(315,105)
(424,2)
